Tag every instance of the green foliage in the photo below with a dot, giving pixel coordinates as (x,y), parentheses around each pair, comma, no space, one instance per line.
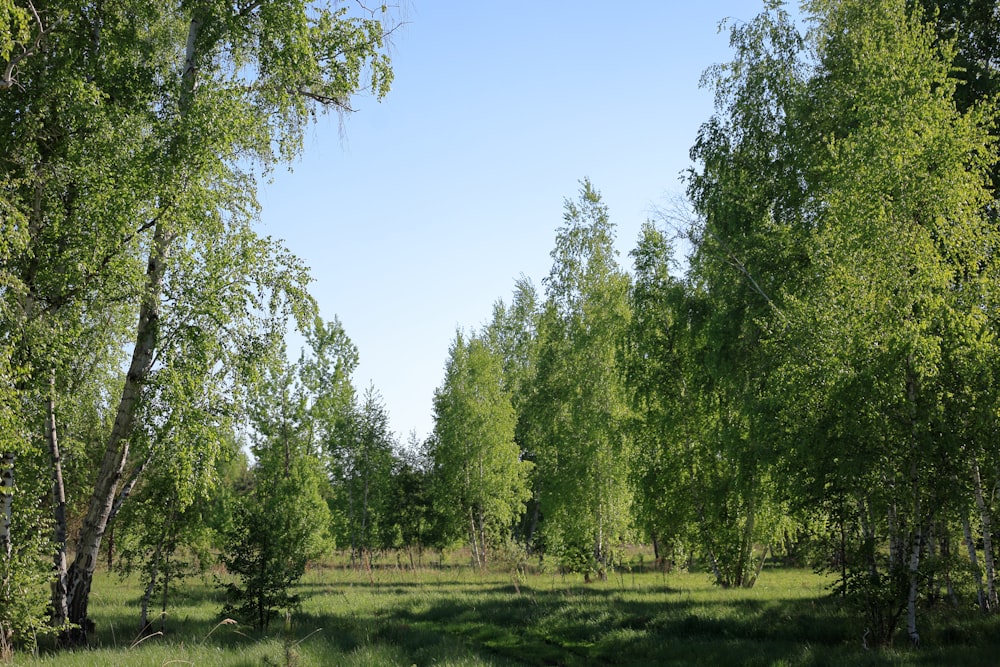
(128,193)
(277,528)
(413,517)
(656,362)
(845,259)
(15,39)
(579,402)
(747,254)
(481,481)
(283,520)
(363,460)
(25,577)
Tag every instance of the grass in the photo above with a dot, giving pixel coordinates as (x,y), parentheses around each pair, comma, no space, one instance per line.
(454,616)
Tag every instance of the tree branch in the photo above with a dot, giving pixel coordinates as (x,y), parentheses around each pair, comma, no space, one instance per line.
(88,277)
(7,81)
(325,100)
(249,7)
(133,479)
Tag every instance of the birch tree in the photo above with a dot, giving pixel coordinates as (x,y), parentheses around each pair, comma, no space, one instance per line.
(512,333)
(362,452)
(747,196)
(482,480)
(661,393)
(582,447)
(845,191)
(122,163)
(905,242)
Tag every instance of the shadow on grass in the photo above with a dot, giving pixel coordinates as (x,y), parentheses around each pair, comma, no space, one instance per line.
(472,620)
(579,625)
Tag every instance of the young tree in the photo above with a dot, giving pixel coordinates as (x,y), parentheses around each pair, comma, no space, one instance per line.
(284,520)
(582,447)
(482,479)
(363,458)
(413,516)
(660,392)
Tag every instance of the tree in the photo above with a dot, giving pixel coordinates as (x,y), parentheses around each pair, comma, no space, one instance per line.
(659,391)
(512,333)
(363,458)
(904,240)
(748,253)
(123,158)
(413,516)
(847,257)
(284,520)
(482,479)
(582,448)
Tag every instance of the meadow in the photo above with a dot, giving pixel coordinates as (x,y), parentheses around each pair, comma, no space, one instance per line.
(449,614)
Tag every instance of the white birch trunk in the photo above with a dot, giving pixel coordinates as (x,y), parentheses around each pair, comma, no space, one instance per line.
(987,524)
(895,557)
(116,451)
(6,543)
(6,503)
(144,624)
(977,573)
(911,599)
(473,542)
(711,552)
(746,547)
(81,572)
(60,610)
(366,471)
(483,553)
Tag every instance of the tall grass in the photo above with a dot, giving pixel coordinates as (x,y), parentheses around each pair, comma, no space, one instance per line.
(452,615)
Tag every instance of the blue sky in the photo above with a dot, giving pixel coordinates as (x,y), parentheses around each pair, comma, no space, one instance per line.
(421,211)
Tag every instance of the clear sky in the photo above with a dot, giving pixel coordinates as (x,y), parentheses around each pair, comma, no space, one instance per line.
(424,210)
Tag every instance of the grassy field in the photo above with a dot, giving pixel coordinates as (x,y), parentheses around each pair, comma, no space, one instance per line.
(453,616)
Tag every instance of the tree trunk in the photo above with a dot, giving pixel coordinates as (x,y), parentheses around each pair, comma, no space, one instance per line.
(60,610)
(895,555)
(6,503)
(760,565)
(911,599)
(977,573)
(933,583)
(947,560)
(351,521)
(843,554)
(711,551)
(6,543)
(166,588)
(365,541)
(745,564)
(147,594)
(482,537)
(529,539)
(987,524)
(916,509)
(473,542)
(81,572)
(599,554)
